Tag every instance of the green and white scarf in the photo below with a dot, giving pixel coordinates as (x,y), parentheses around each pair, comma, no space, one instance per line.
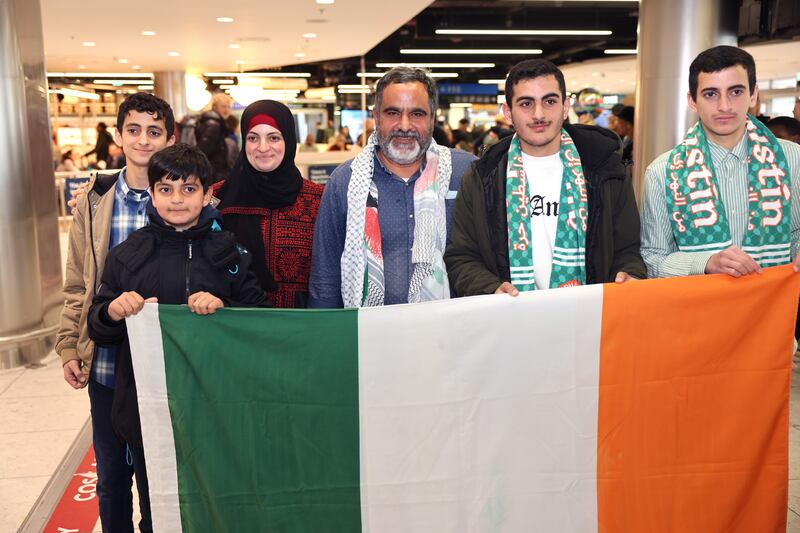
(569,261)
(699,220)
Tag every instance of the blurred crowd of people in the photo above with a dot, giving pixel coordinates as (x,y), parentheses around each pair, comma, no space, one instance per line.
(215,132)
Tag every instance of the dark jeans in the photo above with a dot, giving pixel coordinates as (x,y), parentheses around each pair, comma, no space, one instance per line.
(139,468)
(114,474)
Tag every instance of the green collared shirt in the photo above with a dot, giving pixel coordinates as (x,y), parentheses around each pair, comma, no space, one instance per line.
(659,249)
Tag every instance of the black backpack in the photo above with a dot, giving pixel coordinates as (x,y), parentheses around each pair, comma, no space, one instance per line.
(186,130)
(209,134)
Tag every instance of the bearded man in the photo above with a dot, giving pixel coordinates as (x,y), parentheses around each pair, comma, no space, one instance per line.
(385,216)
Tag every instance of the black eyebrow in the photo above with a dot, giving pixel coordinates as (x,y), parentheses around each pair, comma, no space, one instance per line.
(251,132)
(150,127)
(738,86)
(414,110)
(548,95)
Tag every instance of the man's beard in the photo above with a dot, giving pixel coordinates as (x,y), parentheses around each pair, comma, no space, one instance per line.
(402,156)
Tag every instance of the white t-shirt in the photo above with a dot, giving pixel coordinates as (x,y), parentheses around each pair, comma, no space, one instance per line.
(544,175)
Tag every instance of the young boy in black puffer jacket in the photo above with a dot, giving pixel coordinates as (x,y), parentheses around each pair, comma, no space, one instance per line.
(181,257)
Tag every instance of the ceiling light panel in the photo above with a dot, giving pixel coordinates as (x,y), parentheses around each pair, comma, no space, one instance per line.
(431,74)
(257,74)
(77,93)
(436,65)
(522,32)
(122,82)
(477,51)
(137,75)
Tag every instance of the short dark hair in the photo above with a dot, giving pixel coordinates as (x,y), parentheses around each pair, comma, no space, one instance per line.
(626,113)
(533,68)
(179,162)
(790,124)
(407,75)
(720,58)
(147,103)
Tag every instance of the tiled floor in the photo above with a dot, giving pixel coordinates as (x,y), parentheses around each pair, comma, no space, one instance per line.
(40,416)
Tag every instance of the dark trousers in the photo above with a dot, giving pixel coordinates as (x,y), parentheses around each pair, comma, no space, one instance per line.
(114,473)
(139,468)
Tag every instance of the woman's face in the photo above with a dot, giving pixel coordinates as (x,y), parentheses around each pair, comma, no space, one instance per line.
(264,147)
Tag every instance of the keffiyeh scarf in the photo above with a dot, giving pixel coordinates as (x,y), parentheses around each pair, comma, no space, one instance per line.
(362,259)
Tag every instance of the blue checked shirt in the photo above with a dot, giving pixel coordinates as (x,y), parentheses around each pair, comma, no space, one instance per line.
(129,215)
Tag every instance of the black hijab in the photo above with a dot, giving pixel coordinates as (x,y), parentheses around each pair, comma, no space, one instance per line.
(246,186)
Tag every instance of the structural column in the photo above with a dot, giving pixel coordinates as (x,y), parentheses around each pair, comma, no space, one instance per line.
(30,263)
(171,87)
(671,34)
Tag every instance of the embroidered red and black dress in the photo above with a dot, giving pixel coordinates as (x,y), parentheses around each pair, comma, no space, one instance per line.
(280,241)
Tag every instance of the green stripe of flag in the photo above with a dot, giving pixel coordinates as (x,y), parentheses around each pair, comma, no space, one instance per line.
(291,462)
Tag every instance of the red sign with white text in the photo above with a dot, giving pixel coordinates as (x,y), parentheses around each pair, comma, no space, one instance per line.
(77,511)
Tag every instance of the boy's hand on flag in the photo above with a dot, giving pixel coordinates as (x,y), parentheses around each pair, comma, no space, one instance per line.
(507,288)
(622,277)
(127,304)
(204,303)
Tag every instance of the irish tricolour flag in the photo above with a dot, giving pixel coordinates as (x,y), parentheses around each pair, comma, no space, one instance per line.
(653,406)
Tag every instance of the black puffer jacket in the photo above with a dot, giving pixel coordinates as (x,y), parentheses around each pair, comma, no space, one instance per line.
(158,261)
(477,257)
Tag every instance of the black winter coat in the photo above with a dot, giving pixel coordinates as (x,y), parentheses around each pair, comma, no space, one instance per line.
(477,256)
(158,261)
(210,133)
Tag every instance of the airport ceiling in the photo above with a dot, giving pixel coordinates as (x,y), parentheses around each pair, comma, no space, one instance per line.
(263,37)
(273,37)
(212,35)
(611,25)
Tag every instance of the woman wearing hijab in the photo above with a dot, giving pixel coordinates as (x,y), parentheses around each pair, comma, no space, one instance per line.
(268,205)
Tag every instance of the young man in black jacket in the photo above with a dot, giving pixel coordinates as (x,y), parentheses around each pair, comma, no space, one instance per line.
(181,257)
(549,207)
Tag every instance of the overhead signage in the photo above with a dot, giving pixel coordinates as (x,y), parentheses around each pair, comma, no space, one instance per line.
(462,89)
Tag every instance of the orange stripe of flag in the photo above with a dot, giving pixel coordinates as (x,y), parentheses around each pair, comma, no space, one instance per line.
(694,404)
